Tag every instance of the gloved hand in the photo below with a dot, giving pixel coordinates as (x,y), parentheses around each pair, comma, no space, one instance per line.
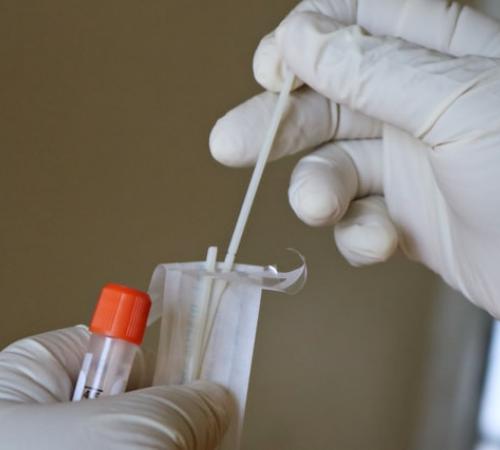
(37,376)
(409,90)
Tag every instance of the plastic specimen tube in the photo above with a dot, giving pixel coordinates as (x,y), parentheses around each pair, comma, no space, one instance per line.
(117,326)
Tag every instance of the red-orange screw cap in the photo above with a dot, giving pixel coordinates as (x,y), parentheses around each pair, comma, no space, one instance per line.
(122,313)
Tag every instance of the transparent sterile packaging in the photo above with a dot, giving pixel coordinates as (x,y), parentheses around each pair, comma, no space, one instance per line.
(208,325)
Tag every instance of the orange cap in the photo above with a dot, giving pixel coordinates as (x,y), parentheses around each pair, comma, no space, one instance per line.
(122,313)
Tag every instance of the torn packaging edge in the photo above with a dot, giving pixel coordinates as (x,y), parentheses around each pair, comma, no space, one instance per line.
(268,278)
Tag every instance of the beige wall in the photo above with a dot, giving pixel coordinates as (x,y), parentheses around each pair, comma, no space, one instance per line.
(105,113)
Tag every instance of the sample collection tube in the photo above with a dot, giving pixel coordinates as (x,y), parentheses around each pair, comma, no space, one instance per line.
(117,326)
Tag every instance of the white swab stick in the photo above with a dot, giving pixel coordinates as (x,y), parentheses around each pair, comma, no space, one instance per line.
(265,150)
(199,323)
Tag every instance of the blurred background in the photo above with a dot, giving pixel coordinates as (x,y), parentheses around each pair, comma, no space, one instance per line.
(105,112)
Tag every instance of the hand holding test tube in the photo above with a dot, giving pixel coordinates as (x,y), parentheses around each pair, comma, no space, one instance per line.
(37,378)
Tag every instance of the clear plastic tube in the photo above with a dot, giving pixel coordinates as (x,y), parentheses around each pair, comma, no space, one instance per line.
(117,329)
(105,368)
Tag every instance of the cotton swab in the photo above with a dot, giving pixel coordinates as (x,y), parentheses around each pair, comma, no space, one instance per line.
(260,165)
(248,201)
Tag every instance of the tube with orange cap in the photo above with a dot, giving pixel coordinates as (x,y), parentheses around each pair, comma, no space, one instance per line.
(117,328)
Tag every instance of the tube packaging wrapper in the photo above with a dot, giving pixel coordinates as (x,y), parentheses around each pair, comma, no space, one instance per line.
(227,359)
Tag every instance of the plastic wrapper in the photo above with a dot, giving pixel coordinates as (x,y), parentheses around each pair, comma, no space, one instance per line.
(227,356)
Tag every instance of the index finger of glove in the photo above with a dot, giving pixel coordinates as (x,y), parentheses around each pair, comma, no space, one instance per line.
(310,120)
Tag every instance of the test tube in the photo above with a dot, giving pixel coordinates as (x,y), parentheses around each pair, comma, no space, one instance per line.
(117,329)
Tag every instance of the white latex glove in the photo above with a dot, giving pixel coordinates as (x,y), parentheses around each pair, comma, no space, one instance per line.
(37,377)
(419,82)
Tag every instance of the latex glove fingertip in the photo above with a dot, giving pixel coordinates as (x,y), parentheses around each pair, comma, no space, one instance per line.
(366,235)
